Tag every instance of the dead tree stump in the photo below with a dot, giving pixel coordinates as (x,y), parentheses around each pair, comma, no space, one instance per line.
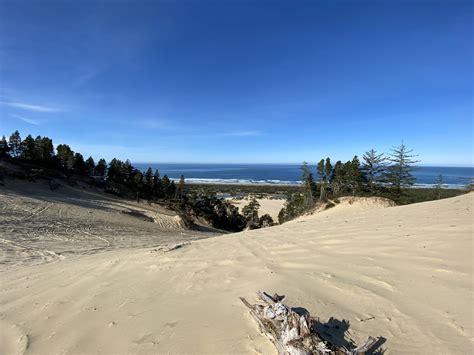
(293,333)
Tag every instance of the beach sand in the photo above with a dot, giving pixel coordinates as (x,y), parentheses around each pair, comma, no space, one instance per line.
(403,273)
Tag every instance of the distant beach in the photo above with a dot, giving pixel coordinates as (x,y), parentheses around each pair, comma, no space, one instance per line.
(290,174)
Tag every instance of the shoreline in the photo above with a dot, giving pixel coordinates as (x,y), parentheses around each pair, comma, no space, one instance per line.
(220,182)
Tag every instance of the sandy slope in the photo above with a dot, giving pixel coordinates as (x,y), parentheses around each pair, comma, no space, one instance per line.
(38,225)
(404,273)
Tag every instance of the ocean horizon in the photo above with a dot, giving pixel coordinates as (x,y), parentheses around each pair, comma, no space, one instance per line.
(215,173)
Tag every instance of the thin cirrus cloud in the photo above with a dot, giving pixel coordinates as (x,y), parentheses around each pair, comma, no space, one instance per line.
(25,119)
(30,107)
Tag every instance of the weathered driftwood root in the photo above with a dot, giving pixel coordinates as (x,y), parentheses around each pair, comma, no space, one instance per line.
(293,333)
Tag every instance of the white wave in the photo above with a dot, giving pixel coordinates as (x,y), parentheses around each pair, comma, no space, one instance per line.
(238,181)
(444,186)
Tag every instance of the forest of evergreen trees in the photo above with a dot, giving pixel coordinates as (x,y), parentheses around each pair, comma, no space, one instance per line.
(377,175)
(40,151)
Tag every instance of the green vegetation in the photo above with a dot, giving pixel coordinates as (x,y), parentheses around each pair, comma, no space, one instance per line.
(236,190)
(123,179)
(377,175)
(253,221)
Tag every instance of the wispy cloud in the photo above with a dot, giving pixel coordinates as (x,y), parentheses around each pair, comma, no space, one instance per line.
(242,134)
(27,120)
(30,107)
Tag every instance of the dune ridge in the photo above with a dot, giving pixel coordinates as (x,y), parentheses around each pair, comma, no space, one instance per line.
(403,273)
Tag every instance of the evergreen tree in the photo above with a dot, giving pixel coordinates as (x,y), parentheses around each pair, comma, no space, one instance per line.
(90,166)
(399,172)
(181,186)
(308,184)
(265,221)
(127,172)
(354,175)
(321,169)
(157,185)
(4,148)
(28,148)
(14,143)
(166,187)
(172,190)
(44,150)
(250,213)
(137,182)
(101,168)
(374,167)
(149,183)
(328,173)
(65,156)
(79,166)
(337,178)
(115,171)
(294,207)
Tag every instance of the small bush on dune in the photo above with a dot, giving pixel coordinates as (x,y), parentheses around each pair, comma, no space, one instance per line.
(329,205)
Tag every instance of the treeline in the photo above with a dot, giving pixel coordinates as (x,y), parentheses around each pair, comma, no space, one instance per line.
(123,179)
(377,175)
(118,174)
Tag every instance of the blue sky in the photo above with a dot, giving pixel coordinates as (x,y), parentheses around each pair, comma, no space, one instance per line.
(240,81)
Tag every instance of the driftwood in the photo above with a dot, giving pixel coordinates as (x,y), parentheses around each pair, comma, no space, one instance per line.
(293,332)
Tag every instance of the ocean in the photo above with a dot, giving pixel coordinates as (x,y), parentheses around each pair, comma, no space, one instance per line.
(426,176)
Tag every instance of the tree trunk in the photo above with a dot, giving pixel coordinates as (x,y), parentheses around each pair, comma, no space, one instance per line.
(293,333)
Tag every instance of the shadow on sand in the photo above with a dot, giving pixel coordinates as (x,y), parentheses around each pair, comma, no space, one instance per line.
(336,331)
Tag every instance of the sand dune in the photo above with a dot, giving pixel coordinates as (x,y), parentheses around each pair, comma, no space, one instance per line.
(267,206)
(404,273)
(38,225)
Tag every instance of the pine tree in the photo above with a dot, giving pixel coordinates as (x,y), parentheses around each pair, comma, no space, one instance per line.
(4,148)
(172,190)
(265,221)
(101,168)
(181,186)
(127,172)
(149,183)
(321,169)
(14,143)
(157,185)
(79,166)
(115,171)
(399,172)
(44,150)
(337,178)
(65,156)
(374,168)
(90,166)
(166,187)
(327,173)
(355,177)
(250,213)
(308,185)
(137,182)
(28,148)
